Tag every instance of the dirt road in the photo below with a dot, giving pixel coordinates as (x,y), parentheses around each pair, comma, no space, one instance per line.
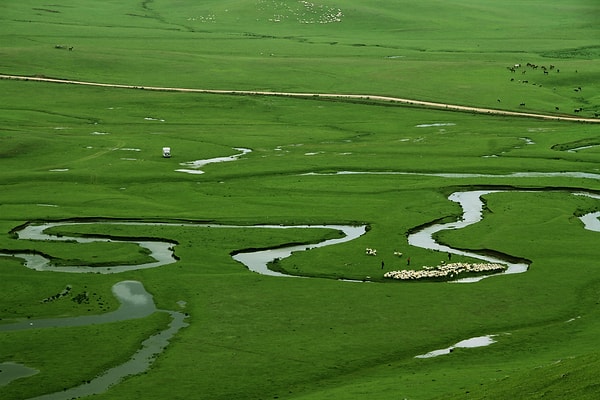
(364,97)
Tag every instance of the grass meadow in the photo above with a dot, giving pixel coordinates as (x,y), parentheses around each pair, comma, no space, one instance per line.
(71,152)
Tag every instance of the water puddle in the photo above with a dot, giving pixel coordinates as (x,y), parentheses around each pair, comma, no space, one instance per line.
(193,167)
(480,341)
(591,221)
(434,125)
(575,150)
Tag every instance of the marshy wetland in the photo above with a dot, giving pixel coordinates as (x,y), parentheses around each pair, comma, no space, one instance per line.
(301,134)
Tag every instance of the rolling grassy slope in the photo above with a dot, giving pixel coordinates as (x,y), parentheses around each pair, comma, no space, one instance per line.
(79,152)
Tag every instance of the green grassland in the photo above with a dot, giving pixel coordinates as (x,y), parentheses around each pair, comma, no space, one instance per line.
(70,152)
(392,48)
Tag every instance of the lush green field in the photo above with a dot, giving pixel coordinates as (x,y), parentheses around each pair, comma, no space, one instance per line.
(74,152)
(454,52)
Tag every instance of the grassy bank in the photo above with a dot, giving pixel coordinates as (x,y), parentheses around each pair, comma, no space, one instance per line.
(70,152)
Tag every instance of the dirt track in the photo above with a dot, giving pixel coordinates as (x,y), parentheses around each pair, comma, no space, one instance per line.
(367,97)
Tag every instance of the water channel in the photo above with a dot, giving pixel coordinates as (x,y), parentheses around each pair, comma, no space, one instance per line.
(136,302)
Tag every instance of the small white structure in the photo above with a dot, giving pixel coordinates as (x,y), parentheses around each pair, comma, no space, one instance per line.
(166,152)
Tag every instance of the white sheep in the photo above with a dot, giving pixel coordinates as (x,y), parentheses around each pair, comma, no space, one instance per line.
(370,252)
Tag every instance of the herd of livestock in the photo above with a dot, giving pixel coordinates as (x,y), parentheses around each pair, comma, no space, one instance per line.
(445,271)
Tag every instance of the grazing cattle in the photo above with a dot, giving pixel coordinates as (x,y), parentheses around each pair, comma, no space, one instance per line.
(522,104)
(556,108)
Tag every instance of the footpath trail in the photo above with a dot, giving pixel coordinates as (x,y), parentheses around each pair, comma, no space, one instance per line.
(339,96)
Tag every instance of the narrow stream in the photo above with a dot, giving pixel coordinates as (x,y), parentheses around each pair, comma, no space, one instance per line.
(472,207)
(258,261)
(193,167)
(137,303)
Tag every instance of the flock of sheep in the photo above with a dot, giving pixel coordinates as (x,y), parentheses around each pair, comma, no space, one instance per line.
(444,271)
(305,12)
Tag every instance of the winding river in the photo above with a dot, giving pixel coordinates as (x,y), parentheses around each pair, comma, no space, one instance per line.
(137,303)
(162,251)
(257,261)
(472,207)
